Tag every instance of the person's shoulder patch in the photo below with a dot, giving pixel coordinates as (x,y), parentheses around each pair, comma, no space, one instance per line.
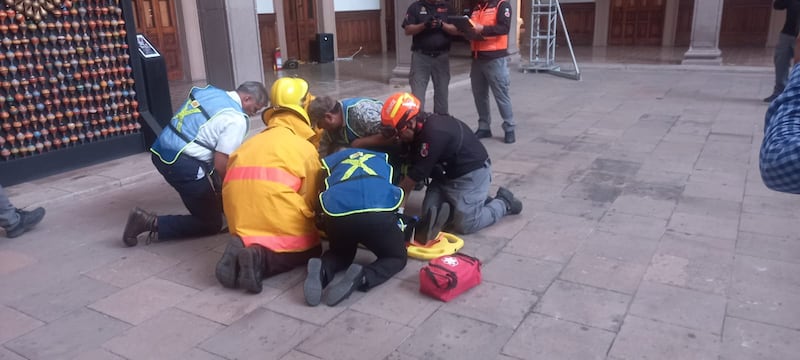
(424,149)
(507,12)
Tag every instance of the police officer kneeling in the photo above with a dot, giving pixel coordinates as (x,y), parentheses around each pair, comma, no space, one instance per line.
(445,149)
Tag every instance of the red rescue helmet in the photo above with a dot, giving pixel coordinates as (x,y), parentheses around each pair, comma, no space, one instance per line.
(398,109)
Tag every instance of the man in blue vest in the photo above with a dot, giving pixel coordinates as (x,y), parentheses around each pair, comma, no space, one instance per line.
(352,122)
(359,205)
(192,155)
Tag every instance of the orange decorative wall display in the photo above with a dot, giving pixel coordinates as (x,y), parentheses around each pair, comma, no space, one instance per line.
(66,76)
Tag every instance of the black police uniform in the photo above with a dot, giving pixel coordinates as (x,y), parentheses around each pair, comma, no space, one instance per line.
(447,151)
(430,53)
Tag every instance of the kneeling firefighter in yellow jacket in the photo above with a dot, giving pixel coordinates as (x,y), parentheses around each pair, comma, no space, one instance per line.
(269,194)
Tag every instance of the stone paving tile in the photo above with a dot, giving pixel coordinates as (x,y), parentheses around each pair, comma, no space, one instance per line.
(485,248)
(99,354)
(706,206)
(704,225)
(68,337)
(8,355)
(627,224)
(642,205)
(543,337)
(783,207)
(196,272)
(554,237)
(144,300)
(285,281)
(225,306)
(679,306)
(767,272)
(580,207)
(642,338)
(493,303)
(296,355)
(743,339)
(623,248)
(678,151)
(167,336)
(410,272)
(715,164)
(766,303)
(586,305)
(11,261)
(399,302)
(450,336)
(714,191)
(603,272)
(186,249)
(770,247)
(692,265)
(262,334)
(399,356)
(769,225)
(133,268)
(654,164)
(354,335)
(506,268)
(595,192)
(15,323)
(292,303)
(63,298)
(198,354)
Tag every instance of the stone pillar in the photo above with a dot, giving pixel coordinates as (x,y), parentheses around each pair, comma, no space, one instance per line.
(402,45)
(513,32)
(670,23)
(602,13)
(704,46)
(245,45)
(193,44)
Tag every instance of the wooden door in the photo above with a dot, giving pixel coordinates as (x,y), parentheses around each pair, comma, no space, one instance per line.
(156,20)
(745,22)
(390,30)
(301,27)
(683,28)
(636,22)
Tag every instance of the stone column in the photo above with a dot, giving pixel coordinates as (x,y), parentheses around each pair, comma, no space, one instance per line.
(704,46)
(602,13)
(513,32)
(245,43)
(402,45)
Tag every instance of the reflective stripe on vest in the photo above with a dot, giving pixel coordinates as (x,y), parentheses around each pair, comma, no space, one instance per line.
(282,243)
(190,119)
(487,16)
(358,181)
(272,174)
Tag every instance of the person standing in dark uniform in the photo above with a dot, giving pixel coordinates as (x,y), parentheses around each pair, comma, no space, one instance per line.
(426,21)
(784,49)
(444,149)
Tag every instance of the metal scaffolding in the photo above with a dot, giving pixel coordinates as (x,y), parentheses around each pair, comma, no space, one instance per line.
(545,16)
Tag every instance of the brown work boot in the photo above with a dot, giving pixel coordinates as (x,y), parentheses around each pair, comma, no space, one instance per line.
(139,221)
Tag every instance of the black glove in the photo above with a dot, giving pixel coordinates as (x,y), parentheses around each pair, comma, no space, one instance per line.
(436,23)
(429,24)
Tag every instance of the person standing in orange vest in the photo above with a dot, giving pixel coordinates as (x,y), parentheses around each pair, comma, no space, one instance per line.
(492,21)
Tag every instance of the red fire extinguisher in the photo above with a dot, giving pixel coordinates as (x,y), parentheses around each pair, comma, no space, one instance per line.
(278,64)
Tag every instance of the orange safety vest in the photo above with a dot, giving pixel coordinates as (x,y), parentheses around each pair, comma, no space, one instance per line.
(487,16)
(271,187)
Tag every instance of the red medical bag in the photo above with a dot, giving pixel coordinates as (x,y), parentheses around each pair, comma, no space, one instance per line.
(448,276)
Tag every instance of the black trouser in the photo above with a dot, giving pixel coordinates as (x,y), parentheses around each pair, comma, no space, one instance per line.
(379,232)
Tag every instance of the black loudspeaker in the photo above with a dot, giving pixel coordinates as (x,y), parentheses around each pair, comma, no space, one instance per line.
(322,48)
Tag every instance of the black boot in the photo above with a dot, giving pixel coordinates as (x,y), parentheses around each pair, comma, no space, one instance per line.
(139,221)
(227,271)
(432,223)
(27,220)
(312,288)
(513,205)
(482,133)
(352,280)
(251,267)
